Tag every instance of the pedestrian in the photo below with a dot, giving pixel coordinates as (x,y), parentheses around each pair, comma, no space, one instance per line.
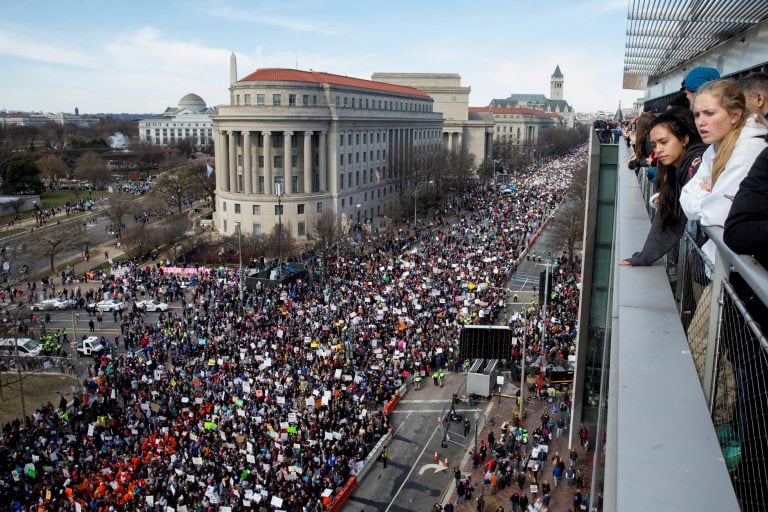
(524,502)
(456,475)
(467,427)
(570,474)
(583,435)
(572,458)
(385,456)
(91,325)
(560,426)
(515,500)
(460,491)
(448,507)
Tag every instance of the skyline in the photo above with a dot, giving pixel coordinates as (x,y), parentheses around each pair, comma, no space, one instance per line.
(143,57)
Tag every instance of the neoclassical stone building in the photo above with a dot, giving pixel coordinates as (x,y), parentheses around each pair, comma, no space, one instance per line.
(326,142)
(190,120)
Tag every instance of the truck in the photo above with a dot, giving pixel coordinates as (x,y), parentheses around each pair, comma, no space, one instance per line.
(90,346)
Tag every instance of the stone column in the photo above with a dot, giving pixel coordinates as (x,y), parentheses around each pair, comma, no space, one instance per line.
(247,170)
(287,154)
(323,162)
(232,161)
(267,162)
(222,155)
(333,160)
(459,139)
(307,162)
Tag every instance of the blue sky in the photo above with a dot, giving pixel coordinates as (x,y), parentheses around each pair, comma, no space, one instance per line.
(141,56)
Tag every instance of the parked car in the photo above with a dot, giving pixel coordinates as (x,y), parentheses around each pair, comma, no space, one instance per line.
(152,305)
(51,304)
(27,347)
(109,305)
(508,191)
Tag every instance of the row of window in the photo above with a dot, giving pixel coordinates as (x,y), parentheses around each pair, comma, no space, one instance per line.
(380,137)
(179,125)
(341,102)
(279,208)
(381,192)
(380,153)
(376,176)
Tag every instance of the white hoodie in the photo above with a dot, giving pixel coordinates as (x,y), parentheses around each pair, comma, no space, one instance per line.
(711,208)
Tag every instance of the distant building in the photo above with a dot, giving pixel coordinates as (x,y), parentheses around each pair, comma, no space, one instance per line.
(39,119)
(328,142)
(190,120)
(520,126)
(554,104)
(460,128)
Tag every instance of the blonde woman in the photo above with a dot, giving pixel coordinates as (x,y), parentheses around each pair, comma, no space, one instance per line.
(736,138)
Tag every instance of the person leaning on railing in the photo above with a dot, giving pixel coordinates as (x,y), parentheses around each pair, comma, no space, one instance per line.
(678,149)
(746,228)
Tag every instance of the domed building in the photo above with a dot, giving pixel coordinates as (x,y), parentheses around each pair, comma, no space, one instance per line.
(190,120)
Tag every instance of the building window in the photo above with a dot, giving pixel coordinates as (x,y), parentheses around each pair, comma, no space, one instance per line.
(341,159)
(357,158)
(294,183)
(314,99)
(294,161)
(256,209)
(302,228)
(256,228)
(305,100)
(365,138)
(237,99)
(353,102)
(341,139)
(349,139)
(237,207)
(338,101)
(300,209)
(261,160)
(364,156)
(291,100)
(277,140)
(319,207)
(276,100)
(279,209)
(357,138)
(365,176)
(261,99)
(261,184)
(341,181)
(357,178)
(278,161)
(247,99)
(224,206)
(346,102)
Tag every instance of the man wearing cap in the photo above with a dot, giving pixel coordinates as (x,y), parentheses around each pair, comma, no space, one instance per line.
(696,78)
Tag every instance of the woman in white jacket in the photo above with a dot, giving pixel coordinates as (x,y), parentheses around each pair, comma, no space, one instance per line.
(736,137)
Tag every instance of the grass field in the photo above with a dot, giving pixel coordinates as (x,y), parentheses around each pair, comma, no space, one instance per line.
(39,389)
(54,198)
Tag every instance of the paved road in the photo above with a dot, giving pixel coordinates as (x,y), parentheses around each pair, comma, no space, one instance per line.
(412,481)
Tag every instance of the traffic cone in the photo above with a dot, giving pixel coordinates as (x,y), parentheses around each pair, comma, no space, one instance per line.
(445,462)
(436,458)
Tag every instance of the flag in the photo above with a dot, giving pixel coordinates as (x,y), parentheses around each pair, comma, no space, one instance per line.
(209,170)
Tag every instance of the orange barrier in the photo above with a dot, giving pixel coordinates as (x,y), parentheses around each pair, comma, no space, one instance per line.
(389,407)
(344,494)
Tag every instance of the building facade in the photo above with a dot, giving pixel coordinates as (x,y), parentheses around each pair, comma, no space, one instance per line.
(555,104)
(190,120)
(520,126)
(460,129)
(294,144)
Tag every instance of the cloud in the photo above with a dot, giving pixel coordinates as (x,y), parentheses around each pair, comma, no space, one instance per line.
(260,16)
(16,45)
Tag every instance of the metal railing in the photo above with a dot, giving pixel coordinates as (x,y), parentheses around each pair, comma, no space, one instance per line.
(722,307)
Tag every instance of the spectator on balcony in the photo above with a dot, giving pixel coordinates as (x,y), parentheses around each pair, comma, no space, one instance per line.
(697,77)
(736,138)
(746,228)
(755,86)
(678,149)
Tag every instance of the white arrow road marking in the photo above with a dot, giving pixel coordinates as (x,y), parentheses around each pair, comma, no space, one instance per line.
(437,467)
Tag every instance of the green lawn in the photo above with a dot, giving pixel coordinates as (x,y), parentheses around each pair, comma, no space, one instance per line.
(53,198)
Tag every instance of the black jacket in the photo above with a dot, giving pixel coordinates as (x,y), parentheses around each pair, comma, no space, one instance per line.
(746,228)
(661,239)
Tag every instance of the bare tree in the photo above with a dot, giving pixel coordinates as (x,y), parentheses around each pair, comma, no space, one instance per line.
(173,231)
(119,204)
(281,242)
(568,224)
(140,239)
(325,228)
(52,168)
(91,168)
(54,241)
(203,183)
(175,187)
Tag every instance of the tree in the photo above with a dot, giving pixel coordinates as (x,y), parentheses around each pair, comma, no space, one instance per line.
(54,241)
(140,239)
(91,168)
(325,228)
(173,231)
(175,187)
(281,242)
(204,184)
(568,224)
(21,175)
(119,204)
(52,168)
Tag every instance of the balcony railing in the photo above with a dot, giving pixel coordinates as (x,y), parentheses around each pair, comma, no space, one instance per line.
(722,307)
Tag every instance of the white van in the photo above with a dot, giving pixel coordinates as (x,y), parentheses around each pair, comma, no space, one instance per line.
(27,347)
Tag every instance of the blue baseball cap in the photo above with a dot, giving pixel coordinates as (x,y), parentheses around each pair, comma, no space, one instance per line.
(698,77)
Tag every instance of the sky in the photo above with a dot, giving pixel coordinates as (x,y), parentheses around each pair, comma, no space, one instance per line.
(142,56)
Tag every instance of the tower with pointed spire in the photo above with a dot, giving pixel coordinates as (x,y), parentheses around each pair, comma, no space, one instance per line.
(556,84)
(232,69)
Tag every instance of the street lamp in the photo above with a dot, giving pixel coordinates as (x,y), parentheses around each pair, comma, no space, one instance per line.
(477,418)
(416,195)
(240,253)
(279,193)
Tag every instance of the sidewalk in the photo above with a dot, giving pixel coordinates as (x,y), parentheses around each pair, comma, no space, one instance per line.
(560,496)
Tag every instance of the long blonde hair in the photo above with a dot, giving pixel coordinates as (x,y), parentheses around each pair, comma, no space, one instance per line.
(730,96)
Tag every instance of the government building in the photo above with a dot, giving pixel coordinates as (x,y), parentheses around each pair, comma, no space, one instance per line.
(190,120)
(300,143)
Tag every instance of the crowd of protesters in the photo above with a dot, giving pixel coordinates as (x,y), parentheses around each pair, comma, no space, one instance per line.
(274,401)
